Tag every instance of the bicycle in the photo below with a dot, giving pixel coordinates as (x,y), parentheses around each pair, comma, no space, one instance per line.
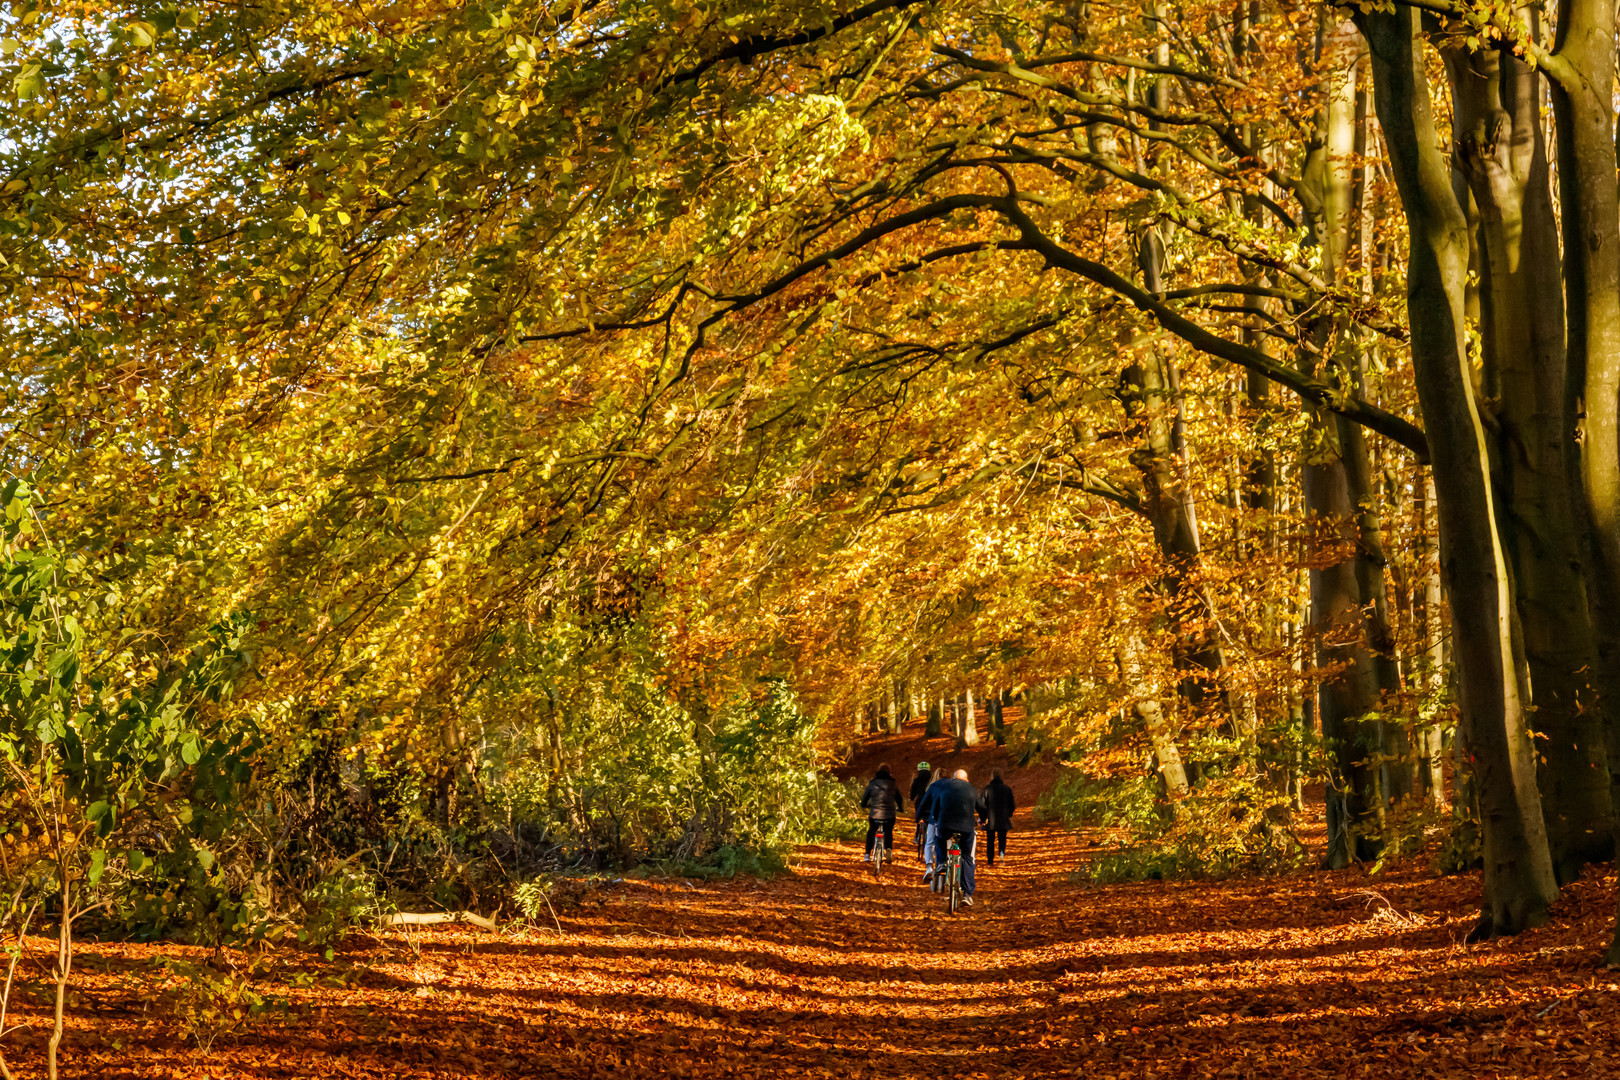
(879,851)
(922,841)
(952,876)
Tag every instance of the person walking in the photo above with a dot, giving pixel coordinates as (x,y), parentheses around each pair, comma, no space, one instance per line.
(996,806)
(952,805)
(882,802)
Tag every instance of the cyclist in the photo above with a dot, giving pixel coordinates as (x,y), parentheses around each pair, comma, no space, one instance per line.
(882,802)
(953,806)
(926,820)
(919,785)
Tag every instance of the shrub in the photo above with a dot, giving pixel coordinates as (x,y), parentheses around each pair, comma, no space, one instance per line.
(208,1004)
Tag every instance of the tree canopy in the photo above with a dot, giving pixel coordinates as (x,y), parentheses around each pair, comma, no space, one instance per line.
(533,431)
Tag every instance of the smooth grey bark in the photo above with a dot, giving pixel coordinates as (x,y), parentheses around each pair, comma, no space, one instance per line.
(967,721)
(1349,620)
(1501,152)
(1431,662)
(1145,705)
(1581,74)
(1518,873)
(1150,391)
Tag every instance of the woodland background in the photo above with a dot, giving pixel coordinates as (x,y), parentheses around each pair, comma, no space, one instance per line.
(454,445)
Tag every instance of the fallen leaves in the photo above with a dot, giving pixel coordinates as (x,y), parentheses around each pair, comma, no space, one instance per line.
(828,973)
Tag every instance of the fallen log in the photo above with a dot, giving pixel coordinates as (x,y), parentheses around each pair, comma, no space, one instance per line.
(434,918)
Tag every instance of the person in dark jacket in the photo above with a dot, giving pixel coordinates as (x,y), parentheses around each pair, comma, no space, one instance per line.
(919,784)
(882,803)
(953,808)
(996,806)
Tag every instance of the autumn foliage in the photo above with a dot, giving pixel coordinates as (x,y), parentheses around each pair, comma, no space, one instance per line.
(455,448)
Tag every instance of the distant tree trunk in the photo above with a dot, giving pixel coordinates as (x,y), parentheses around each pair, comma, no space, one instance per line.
(1145,705)
(1348,613)
(992,712)
(1150,390)
(936,718)
(1432,663)
(967,722)
(1518,877)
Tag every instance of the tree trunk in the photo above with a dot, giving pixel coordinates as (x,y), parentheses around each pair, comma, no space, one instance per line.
(1348,616)
(1149,389)
(1518,876)
(1432,663)
(967,723)
(1144,703)
(1501,152)
(935,725)
(1581,74)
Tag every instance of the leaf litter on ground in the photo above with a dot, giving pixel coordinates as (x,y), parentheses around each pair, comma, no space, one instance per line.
(826,972)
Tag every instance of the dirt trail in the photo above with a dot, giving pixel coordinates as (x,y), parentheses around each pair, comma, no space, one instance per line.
(828,973)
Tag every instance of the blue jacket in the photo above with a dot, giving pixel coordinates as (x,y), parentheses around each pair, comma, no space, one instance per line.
(950,805)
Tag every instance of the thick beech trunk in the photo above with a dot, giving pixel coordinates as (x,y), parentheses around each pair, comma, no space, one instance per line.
(935,724)
(1518,878)
(1501,152)
(1582,73)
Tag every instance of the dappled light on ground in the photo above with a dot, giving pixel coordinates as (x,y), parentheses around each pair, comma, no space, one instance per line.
(826,972)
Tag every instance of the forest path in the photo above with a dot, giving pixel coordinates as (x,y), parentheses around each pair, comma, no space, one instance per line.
(826,972)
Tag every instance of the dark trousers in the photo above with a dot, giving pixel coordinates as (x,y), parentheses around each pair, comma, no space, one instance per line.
(872,827)
(966,841)
(995,843)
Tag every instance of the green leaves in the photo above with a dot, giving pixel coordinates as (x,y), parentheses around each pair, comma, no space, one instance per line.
(29,83)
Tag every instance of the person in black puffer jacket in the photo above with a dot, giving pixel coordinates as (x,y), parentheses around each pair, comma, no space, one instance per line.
(882,803)
(996,806)
(919,787)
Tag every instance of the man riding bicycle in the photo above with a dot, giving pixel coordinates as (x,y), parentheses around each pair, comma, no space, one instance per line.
(953,807)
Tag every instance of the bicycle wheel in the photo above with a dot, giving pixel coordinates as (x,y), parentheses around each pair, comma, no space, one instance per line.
(877,857)
(954,898)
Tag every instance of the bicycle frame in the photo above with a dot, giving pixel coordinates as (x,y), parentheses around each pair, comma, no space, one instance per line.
(953,875)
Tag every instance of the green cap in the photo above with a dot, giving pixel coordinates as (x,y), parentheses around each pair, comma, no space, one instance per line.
(921,765)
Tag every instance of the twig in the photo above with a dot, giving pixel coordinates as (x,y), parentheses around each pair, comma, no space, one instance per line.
(553,911)
(5,995)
